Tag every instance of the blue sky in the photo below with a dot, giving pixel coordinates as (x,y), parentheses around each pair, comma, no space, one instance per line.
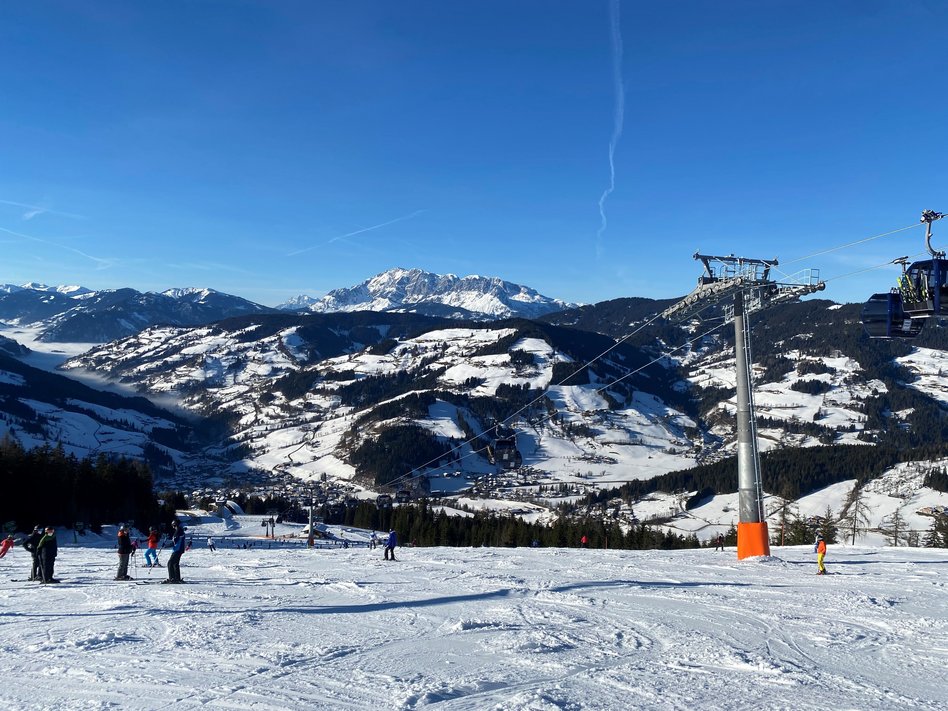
(274,148)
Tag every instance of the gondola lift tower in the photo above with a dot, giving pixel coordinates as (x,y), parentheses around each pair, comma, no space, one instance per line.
(744,286)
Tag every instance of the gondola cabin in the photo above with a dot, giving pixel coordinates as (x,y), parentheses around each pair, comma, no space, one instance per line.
(384,501)
(503,450)
(883,316)
(923,289)
(402,496)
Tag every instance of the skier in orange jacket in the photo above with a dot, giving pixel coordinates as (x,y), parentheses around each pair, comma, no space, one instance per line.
(820,555)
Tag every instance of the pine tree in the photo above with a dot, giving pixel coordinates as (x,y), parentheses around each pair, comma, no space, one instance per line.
(827,527)
(857,512)
(894,528)
(933,537)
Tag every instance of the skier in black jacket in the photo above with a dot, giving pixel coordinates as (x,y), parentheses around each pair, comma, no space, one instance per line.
(30,544)
(124,552)
(47,549)
(177,550)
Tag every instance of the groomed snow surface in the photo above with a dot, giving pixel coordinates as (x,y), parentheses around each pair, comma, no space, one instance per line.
(479,628)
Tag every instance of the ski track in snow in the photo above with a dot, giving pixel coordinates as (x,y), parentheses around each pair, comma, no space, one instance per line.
(480,628)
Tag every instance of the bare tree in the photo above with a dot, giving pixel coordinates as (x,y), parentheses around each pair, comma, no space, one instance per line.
(857,512)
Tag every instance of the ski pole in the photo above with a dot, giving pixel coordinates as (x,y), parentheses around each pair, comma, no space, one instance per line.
(155,564)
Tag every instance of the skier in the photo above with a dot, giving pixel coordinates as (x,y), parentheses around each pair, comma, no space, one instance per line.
(177,550)
(151,554)
(210,544)
(46,550)
(30,544)
(584,541)
(6,545)
(124,552)
(390,545)
(820,555)
(374,540)
(719,543)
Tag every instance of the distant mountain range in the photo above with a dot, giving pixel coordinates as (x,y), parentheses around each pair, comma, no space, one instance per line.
(74,314)
(447,295)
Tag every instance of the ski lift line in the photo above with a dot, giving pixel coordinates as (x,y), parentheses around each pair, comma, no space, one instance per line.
(852,244)
(412,475)
(663,355)
(582,368)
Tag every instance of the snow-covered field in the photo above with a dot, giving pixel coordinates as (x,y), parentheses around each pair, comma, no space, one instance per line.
(480,628)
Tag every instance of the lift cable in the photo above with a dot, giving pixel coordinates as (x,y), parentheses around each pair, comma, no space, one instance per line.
(411,474)
(852,244)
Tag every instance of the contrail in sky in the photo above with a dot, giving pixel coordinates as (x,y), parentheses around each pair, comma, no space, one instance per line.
(102,263)
(357,232)
(618,116)
(34,210)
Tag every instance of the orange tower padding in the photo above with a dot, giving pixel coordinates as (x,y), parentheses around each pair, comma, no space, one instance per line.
(752,539)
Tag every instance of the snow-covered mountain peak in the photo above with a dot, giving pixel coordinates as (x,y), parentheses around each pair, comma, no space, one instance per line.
(189,292)
(65,290)
(403,289)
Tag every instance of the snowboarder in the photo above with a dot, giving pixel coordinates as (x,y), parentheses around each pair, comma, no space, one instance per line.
(390,545)
(151,554)
(584,541)
(719,543)
(124,552)
(820,555)
(30,544)
(6,545)
(210,544)
(46,550)
(177,550)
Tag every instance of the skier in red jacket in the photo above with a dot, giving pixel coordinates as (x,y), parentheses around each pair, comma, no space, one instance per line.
(6,545)
(151,554)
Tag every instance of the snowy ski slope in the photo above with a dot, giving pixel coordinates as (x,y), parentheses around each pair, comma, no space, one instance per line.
(538,629)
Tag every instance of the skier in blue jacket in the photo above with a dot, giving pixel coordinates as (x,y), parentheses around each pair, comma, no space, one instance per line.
(390,544)
(177,550)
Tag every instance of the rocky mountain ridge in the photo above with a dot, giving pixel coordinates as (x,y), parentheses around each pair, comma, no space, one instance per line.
(418,291)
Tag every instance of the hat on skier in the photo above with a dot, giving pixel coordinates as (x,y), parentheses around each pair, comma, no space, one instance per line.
(121,526)
(37,529)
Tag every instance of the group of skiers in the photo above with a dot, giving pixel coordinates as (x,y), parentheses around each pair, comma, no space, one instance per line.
(126,548)
(43,548)
(42,545)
